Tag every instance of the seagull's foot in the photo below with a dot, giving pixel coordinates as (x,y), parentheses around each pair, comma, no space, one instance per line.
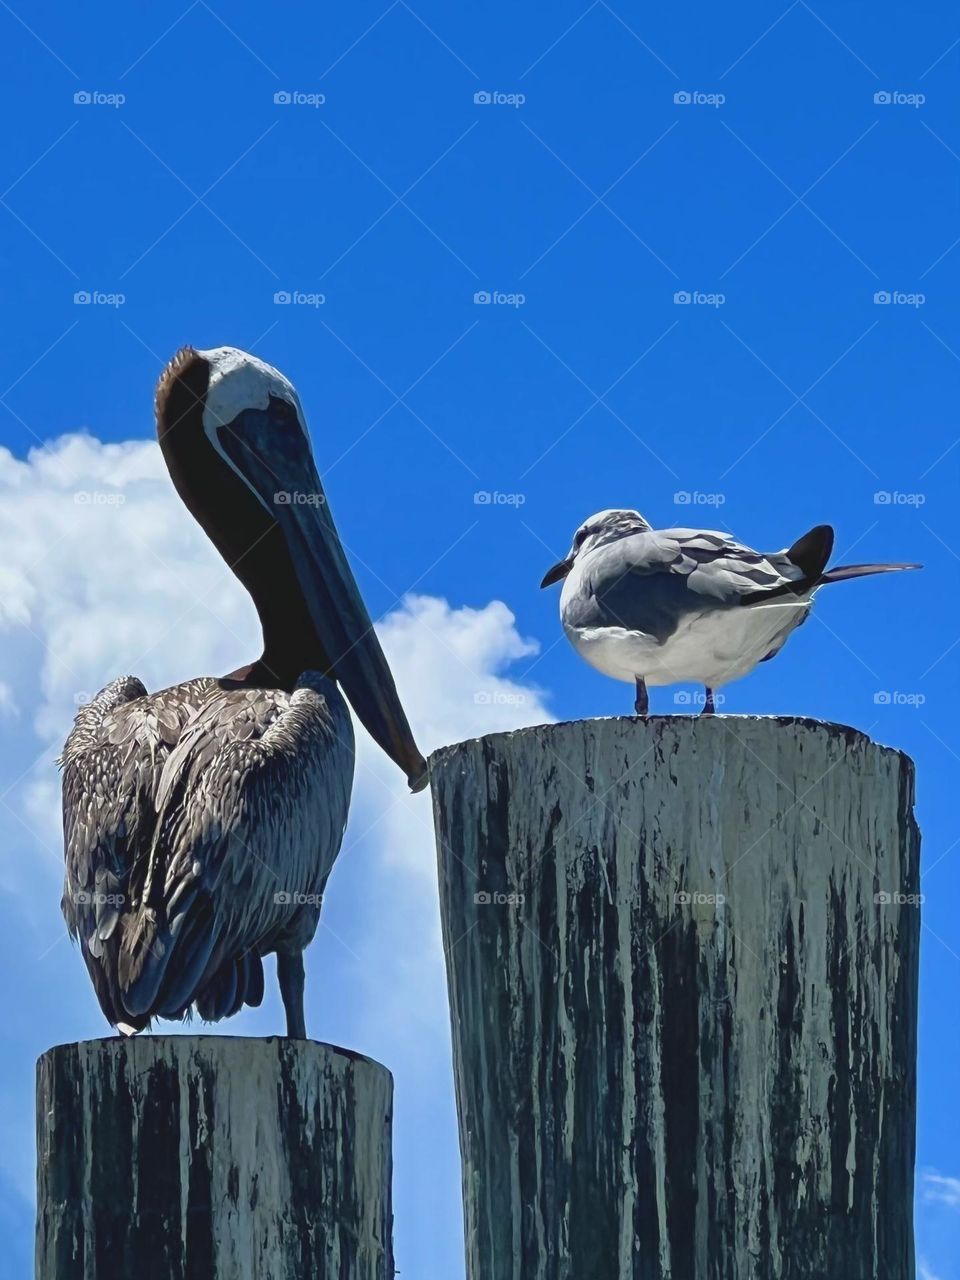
(642,704)
(708,708)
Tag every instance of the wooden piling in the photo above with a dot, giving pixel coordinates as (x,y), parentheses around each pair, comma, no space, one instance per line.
(175,1157)
(682,957)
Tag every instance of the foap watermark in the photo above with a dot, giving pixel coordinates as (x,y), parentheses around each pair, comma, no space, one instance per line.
(697,98)
(697,298)
(694,498)
(896,98)
(294,898)
(693,898)
(297,98)
(894,898)
(298,498)
(297,298)
(897,698)
(494,498)
(498,698)
(97,298)
(96,98)
(894,498)
(497,98)
(98,498)
(897,298)
(497,298)
(85,899)
(684,698)
(497,898)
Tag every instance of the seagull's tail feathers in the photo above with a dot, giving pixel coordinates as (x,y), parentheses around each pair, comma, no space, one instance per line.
(810,555)
(845,571)
(811,552)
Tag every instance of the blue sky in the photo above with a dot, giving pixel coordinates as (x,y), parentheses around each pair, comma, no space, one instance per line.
(808,171)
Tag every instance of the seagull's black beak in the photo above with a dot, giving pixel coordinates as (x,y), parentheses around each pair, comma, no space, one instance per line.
(559,571)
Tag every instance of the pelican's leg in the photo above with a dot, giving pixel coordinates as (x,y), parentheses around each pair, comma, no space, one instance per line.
(642,704)
(290,977)
(708,708)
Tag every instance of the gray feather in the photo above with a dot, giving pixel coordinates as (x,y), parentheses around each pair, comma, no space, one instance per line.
(210,818)
(649,582)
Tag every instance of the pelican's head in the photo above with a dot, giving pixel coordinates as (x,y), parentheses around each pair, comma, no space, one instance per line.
(235,442)
(605,526)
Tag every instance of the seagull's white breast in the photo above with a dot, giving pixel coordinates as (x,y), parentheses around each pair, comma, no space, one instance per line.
(711,647)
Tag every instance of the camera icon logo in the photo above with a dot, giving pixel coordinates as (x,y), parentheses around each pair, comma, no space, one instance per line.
(482,298)
(82,298)
(483,98)
(682,98)
(682,298)
(282,899)
(282,298)
(681,899)
(82,98)
(282,98)
(882,98)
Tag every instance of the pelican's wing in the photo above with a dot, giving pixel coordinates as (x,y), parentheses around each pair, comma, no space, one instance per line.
(649,582)
(112,761)
(251,808)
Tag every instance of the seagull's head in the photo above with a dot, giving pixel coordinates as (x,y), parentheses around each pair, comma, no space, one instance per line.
(597,531)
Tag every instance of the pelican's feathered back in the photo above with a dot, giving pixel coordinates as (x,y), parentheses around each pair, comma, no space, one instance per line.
(200,826)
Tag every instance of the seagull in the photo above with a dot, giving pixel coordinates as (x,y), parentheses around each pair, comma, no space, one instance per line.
(668,606)
(201,821)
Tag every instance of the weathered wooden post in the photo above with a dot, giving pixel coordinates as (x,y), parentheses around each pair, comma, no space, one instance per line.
(682,960)
(174,1157)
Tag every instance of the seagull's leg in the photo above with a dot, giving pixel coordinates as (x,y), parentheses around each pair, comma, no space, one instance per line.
(642,704)
(290,977)
(708,707)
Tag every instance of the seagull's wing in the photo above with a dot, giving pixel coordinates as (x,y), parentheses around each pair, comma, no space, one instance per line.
(649,582)
(251,807)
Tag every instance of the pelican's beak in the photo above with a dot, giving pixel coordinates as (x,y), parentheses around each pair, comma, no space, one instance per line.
(559,570)
(276,461)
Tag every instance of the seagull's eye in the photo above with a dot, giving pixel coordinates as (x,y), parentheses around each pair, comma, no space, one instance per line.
(579,538)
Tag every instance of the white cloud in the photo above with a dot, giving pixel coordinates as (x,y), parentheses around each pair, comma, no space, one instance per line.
(924,1272)
(105,573)
(937,1188)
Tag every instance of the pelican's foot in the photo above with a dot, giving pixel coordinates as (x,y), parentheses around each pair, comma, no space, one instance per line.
(642,704)
(291,978)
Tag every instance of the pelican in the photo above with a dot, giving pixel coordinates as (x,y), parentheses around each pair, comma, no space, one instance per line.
(201,822)
(663,606)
